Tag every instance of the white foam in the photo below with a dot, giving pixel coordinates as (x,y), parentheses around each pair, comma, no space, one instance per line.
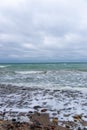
(60,102)
(28,72)
(3,66)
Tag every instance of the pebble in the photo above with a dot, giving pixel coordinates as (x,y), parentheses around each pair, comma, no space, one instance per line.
(43,110)
(55,121)
(79,128)
(67,126)
(30,112)
(77,117)
(37,107)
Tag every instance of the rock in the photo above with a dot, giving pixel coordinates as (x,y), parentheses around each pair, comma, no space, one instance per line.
(66,115)
(37,113)
(30,112)
(43,110)
(77,117)
(46,128)
(67,126)
(37,123)
(54,114)
(13,120)
(32,127)
(85,116)
(37,107)
(52,128)
(79,128)
(55,121)
(85,129)
(22,114)
(44,103)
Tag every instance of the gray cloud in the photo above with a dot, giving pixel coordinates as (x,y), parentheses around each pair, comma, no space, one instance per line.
(34,30)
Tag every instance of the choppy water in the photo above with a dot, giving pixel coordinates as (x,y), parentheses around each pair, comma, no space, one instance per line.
(52,80)
(55,76)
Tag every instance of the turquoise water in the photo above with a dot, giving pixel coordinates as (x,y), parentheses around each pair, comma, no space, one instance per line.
(46,66)
(57,75)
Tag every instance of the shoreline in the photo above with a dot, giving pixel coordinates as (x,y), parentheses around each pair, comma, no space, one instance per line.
(61,104)
(41,121)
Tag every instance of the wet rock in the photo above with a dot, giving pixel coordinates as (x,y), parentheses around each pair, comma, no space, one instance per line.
(17,124)
(66,115)
(77,117)
(58,112)
(37,123)
(67,126)
(37,107)
(24,89)
(22,114)
(85,116)
(52,127)
(79,128)
(46,128)
(30,112)
(85,129)
(44,103)
(55,121)
(13,120)
(36,99)
(32,127)
(43,110)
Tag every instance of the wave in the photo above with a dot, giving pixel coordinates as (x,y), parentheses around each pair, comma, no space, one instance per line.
(49,87)
(30,72)
(1,66)
(4,66)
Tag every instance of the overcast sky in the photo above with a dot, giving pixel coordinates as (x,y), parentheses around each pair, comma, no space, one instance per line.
(43,30)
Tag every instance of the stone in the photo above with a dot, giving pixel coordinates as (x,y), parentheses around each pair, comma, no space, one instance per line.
(30,112)
(67,126)
(79,128)
(77,117)
(55,121)
(37,107)
(43,110)
(85,129)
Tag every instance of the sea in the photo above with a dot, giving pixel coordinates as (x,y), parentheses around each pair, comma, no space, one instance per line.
(61,88)
(47,75)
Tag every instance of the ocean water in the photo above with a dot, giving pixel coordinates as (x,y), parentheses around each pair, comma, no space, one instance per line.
(50,76)
(61,88)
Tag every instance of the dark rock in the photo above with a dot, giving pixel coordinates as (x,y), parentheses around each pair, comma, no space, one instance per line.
(67,126)
(46,128)
(13,120)
(54,114)
(79,128)
(44,103)
(37,123)
(85,129)
(52,127)
(32,127)
(43,110)
(10,127)
(37,107)
(37,113)
(23,89)
(30,112)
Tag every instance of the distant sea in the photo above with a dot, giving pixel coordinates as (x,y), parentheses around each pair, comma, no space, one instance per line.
(47,75)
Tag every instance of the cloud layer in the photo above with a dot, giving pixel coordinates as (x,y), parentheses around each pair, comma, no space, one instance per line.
(47,30)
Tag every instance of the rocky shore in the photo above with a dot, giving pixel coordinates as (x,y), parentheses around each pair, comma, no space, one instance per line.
(41,121)
(38,109)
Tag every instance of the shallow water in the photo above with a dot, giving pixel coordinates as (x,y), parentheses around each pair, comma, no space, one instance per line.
(63,104)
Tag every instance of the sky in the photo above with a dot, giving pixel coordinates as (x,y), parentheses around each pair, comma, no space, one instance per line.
(43,30)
